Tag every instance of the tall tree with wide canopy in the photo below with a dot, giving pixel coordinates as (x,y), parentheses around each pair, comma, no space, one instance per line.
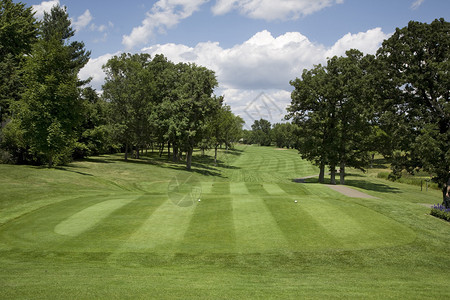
(130,88)
(50,109)
(192,104)
(315,114)
(330,105)
(415,89)
(18,32)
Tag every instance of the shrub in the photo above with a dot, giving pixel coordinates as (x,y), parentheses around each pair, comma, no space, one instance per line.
(441,212)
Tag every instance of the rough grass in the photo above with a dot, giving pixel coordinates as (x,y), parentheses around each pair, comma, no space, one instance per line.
(105,228)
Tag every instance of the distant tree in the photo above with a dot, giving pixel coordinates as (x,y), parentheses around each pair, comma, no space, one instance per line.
(50,109)
(284,135)
(414,86)
(225,128)
(261,130)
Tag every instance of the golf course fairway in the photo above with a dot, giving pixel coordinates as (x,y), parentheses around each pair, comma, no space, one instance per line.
(108,228)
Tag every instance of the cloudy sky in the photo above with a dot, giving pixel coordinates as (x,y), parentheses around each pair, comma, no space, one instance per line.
(255,46)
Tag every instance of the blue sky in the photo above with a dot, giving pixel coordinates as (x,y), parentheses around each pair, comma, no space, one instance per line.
(254,46)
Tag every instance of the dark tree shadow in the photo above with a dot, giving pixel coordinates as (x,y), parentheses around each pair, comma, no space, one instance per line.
(377,187)
(362,184)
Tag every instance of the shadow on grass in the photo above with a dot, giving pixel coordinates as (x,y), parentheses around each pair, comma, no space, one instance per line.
(97,159)
(376,187)
(362,184)
(201,164)
(68,169)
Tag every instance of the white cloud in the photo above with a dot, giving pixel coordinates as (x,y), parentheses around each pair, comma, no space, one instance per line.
(83,20)
(164,15)
(45,6)
(94,70)
(264,61)
(265,64)
(273,10)
(416,4)
(367,42)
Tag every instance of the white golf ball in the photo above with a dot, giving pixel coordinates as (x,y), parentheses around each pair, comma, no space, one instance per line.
(295,201)
(199,200)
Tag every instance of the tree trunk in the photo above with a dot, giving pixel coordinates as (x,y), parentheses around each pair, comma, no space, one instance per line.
(215,155)
(50,161)
(161,149)
(322,173)
(189,159)
(342,173)
(137,153)
(333,174)
(174,153)
(168,150)
(126,151)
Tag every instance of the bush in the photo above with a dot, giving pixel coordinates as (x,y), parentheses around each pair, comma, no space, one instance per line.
(441,212)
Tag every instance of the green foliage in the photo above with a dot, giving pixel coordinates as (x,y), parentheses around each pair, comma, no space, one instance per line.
(284,135)
(224,128)
(330,105)
(413,83)
(155,98)
(261,131)
(18,31)
(50,109)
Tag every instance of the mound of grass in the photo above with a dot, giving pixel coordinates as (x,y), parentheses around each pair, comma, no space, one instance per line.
(106,228)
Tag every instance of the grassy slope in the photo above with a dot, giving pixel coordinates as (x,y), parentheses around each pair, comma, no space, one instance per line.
(109,229)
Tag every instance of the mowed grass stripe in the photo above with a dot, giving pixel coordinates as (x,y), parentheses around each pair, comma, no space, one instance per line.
(301,229)
(36,229)
(115,229)
(206,187)
(221,188)
(162,230)
(256,229)
(211,228)
(256,188)
(357,227)
(294,189)
(274,189)
(89,217)
(238,188)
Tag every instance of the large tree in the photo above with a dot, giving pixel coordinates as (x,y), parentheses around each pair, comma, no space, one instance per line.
(130,88)
(192,104)
(330,105)
(314,112)
(18,32)
(414,86)
(50,109)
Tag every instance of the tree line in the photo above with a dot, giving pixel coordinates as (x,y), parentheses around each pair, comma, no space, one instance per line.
(395,103)
(48,115)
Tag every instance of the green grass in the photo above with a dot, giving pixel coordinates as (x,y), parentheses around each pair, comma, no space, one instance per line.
(105,228)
